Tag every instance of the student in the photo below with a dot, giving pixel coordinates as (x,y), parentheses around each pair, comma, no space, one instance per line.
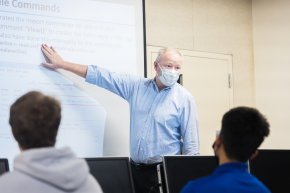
(242,132)
(40,167)
(163,116)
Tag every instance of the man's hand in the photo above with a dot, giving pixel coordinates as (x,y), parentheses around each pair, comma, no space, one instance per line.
(53,60)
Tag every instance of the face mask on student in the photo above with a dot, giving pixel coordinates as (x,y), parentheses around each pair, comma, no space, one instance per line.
(168,76)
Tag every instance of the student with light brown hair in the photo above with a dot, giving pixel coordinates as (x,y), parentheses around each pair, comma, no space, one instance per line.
(40,167)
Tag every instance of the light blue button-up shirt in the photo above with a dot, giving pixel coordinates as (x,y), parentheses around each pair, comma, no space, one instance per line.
(161,122)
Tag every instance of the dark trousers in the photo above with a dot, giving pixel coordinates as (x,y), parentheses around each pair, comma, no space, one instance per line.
(145,178)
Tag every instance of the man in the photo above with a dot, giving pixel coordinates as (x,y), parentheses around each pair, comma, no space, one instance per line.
(243,130)
(40,167)
(163,118)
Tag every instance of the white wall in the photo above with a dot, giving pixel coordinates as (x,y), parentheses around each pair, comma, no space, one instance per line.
(271,30)
(255,32)
(218,26)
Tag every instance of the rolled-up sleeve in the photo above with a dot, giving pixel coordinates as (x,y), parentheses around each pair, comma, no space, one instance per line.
(189,128)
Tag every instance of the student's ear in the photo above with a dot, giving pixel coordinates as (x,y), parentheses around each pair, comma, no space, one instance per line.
(254,155)
(217,143)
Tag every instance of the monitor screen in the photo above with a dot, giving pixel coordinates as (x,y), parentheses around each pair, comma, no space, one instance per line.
(113,174)
(178,170)
(272,167)
(4,166)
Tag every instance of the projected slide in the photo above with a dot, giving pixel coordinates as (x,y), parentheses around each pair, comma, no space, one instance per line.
(83,118)
(88,32)
(84,31)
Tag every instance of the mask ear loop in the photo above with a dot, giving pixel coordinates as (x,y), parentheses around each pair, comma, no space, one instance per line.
(161,69)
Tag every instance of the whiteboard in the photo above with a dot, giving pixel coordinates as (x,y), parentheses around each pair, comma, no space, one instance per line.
(104,33)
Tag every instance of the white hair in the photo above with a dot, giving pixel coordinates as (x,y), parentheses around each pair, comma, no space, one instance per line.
(162,51)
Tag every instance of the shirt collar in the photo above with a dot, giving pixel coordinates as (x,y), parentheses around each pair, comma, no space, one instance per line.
(232,166)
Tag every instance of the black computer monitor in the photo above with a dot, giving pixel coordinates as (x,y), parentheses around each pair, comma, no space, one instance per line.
(272,167)
(4,167)
(179,170)
(113,173)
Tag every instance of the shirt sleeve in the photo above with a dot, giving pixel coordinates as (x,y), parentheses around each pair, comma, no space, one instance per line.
(120,84)
(189,128)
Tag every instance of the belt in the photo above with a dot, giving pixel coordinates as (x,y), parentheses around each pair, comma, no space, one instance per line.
(144,166)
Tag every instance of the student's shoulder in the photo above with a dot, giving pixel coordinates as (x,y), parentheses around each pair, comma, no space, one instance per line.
(8,181)
(196,185)
(263,188)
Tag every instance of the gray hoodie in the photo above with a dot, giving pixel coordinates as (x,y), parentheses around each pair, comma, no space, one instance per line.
(49,170)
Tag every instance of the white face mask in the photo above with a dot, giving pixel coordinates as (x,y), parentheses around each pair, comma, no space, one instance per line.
(168,77)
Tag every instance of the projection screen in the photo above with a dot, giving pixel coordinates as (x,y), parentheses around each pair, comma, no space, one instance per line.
(105,33)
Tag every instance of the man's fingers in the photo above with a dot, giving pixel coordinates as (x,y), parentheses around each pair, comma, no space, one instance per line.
(47,50)
(52,49)
(51,57)
(46,55)
(46,58)
(44,51)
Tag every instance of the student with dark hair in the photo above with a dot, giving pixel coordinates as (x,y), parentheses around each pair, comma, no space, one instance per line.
(242,132)
(40,167)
